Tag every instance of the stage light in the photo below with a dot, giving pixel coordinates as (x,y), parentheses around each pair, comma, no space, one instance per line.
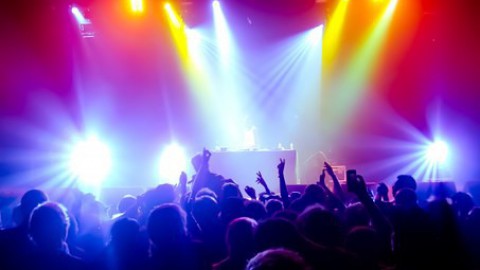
(391,7)
(174,18)
(79,16)
(315,35)
(222,32)
(361,71)
(137,5)
(90,161)
(333,31)
(172,162)
(437,152)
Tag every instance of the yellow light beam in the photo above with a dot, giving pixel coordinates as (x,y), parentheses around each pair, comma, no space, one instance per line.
(333,31)
(360,71)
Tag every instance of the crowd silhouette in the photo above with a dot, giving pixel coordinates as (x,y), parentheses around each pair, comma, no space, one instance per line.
(207,223)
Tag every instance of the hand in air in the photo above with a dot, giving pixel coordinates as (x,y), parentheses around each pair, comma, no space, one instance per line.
(260,179)
(328,168)
(281,165)
(321,179)
(206,156)
(251,192)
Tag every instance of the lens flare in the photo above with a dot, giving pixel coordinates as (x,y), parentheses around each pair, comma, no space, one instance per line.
(90,161)
(172,162)
(437,152)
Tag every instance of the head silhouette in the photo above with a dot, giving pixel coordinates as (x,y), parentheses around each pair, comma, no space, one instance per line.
(356,215)
(230,190)
(276,233)
(314,193)
(164,193)
(277,259)
(273,206)
(205,210)
(320,226)
(240,237)
(29,201)
(256,210)
(166,225)
(49,225)
(406,198)
(404,181)
(124,232)
(126,203)
(364,242)
(462,203)
(382,190)
(232,208)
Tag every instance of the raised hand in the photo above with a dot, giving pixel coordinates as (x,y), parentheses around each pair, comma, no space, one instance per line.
(281,166)
(261,181)
(251,192)
(206,155)
(328,168)
(321,179)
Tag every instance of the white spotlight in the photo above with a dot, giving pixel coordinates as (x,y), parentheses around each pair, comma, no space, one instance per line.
(90,161)
(437,152)
(172,163)
(315,35)
(79,16)
(222,32)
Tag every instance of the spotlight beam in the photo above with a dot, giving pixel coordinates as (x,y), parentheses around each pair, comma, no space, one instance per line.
(361,68)
(333,31)
(174,18)
(437,152)
(79,16)
(90,161)
(222,32)
(172,162)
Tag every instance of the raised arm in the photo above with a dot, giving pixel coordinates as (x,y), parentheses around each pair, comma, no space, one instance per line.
(337,188)
(201,177)
(261,181)
(379,221)
(283,184)
(333,200)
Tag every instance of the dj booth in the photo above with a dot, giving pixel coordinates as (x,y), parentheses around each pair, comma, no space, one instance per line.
(242,166)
